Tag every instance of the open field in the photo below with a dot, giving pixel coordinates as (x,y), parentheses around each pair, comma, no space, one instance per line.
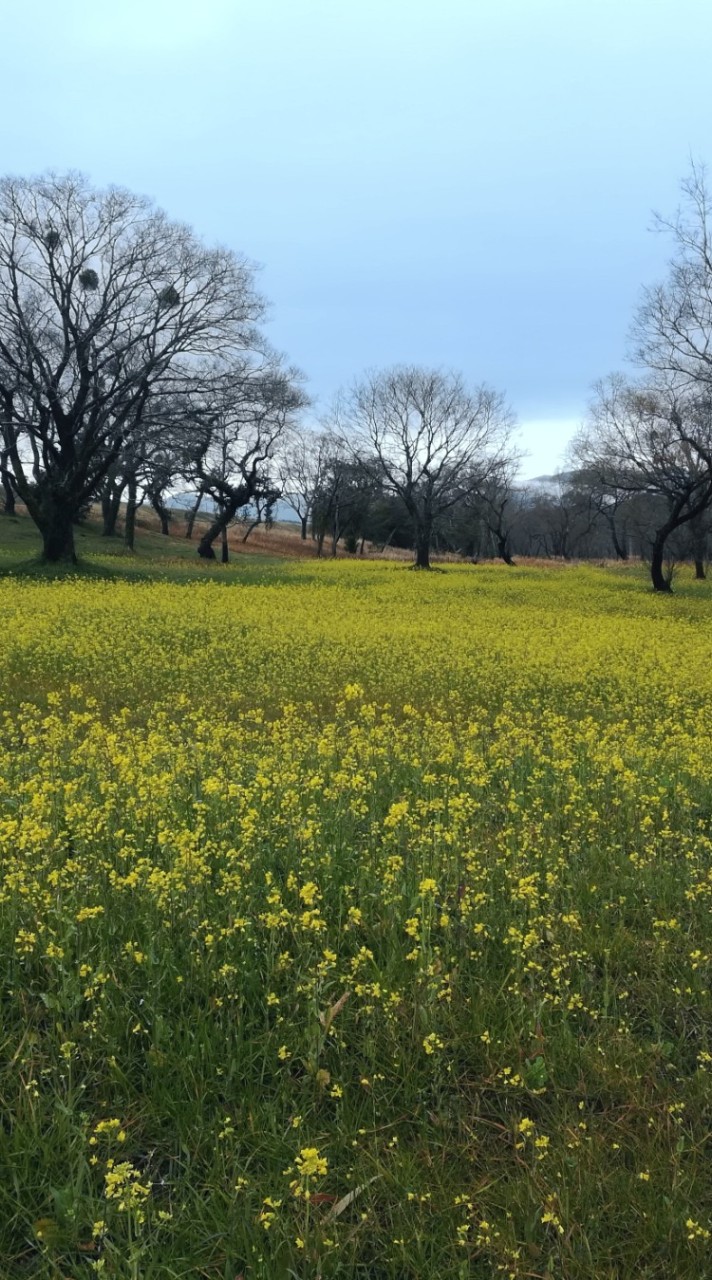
(176,556)
(355,923)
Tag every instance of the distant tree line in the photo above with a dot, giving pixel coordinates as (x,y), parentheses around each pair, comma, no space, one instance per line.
(133,365)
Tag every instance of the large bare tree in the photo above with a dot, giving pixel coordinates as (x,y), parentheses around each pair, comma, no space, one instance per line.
(102,297)
(672,330)
(241,415)
(654,441)
(426,438)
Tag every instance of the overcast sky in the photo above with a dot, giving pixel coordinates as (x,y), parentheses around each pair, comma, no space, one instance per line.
(459,183)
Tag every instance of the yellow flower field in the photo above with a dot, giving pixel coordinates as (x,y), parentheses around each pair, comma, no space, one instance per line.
(356,923)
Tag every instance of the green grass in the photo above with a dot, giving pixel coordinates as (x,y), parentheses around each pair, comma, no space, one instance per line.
(173,558)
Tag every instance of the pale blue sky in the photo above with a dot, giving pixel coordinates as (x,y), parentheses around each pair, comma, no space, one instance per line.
(462,183)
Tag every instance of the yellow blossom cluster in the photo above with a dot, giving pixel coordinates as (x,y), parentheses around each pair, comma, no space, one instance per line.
(419,866)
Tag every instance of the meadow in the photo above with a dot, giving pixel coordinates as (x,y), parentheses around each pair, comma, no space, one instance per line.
(355,923)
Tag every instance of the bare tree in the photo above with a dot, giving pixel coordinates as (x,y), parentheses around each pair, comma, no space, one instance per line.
(652,441)
(242,413)
(150,460)
(610,505)
(101,298)
(426,438)
(327,512)
(498,498)
(300,468)
(672,331)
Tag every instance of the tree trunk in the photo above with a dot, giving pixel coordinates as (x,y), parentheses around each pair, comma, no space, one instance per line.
(422,549)
(305,527)
(162,512)
(57,528)
(9,505)
(110,505)
(225,556)
(619,548)
(503,550)
(224,516)
(657,573)
(699,545)
(130,517)
(251,526)
(335,530)
(193,513)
